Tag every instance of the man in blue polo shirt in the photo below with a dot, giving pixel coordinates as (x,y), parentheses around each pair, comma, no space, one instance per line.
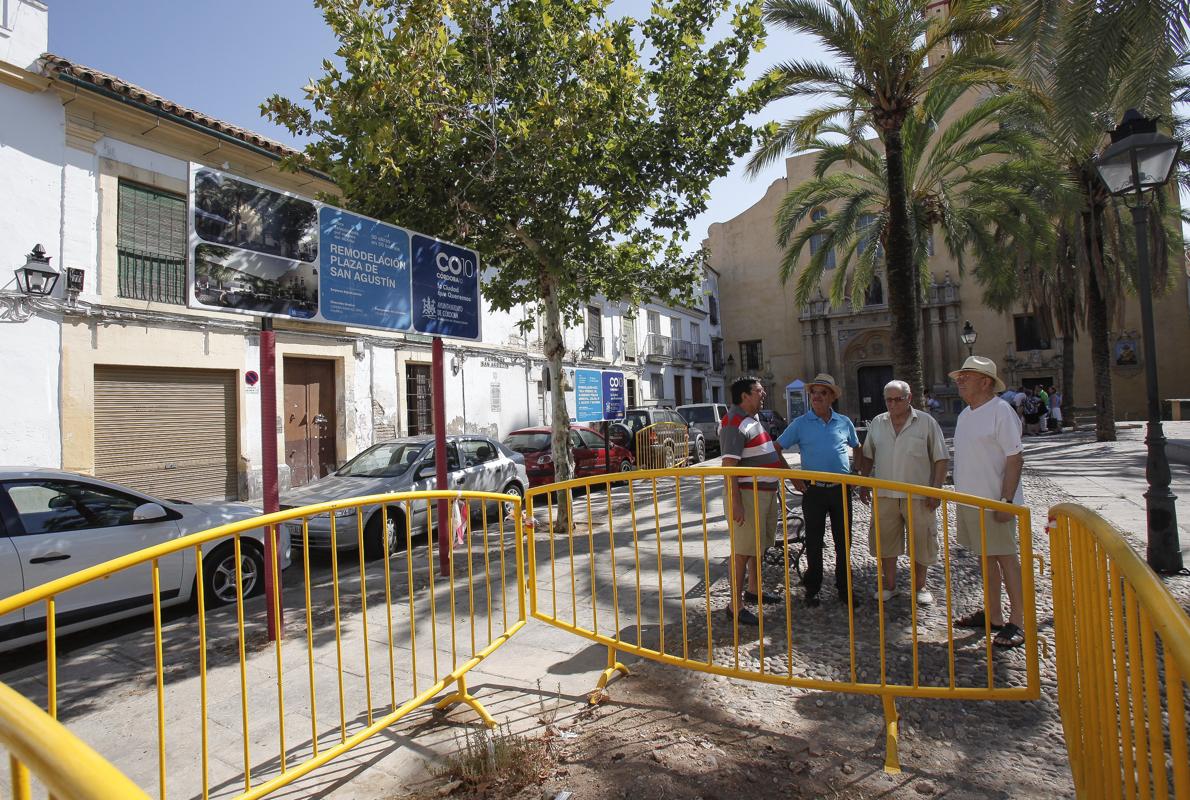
(824,436)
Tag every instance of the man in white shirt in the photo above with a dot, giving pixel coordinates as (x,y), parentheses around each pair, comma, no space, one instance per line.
(988,459)
(907,446)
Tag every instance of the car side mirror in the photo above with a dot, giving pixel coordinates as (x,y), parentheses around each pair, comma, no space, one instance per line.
(149,512)
(426,470)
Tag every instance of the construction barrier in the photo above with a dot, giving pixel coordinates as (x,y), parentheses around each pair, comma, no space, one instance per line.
(1123,657)
(412,636)
(663,445)
(644,554)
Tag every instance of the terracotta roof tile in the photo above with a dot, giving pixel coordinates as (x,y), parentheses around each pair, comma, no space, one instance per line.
(54,66)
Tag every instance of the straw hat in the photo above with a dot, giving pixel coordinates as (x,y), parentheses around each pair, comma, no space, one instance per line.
(823,379)
(982,366)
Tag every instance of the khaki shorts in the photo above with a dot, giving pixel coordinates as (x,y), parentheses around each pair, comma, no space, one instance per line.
(894,520)
(743,537)
(1001,536)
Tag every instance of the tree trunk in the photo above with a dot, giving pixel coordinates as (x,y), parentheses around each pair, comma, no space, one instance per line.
(1097,327)
(555,349)
(1067,387)
(902,293)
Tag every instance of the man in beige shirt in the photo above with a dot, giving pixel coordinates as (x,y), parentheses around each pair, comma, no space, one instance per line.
(907,446)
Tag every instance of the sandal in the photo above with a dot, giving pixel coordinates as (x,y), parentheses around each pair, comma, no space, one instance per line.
(1009,636)
(975,619)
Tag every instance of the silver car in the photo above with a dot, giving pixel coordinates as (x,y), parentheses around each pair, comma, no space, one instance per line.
(55,523)
(474,463)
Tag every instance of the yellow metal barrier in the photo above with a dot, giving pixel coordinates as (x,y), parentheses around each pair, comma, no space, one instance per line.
(1123,653)
(452,628)
(622,569)
(662,445)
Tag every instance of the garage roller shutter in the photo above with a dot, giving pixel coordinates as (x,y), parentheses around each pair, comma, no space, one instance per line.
(167,432)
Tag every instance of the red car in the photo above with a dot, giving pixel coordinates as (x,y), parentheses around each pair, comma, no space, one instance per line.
(585,444)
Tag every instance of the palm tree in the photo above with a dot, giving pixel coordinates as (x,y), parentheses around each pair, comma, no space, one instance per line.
(884,50)
(966,177)
(1091,61)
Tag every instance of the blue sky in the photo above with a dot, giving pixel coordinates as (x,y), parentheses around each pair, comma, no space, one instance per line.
(224,57)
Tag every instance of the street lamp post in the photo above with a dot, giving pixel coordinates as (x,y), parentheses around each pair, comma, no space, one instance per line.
(1140,159)
(969,336)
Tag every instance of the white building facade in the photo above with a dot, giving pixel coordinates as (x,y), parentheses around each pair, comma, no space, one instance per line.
(120,378)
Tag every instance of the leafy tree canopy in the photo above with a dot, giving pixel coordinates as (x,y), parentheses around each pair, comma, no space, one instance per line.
(568,148)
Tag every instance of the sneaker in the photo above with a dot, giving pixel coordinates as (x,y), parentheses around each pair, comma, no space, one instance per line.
(884,594)
(769,598)
(925,597)
(744,617)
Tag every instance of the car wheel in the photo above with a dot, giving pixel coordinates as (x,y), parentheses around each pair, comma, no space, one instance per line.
(513,488)
(700,451)
(219,573)
(374,541)
(669,456)
(625,466)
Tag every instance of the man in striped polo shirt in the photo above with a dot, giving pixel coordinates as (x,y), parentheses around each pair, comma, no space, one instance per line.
(752,503)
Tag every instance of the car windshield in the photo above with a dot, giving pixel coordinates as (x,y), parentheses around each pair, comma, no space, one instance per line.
(698,414)
(635,420)
(382,461)
(527,442)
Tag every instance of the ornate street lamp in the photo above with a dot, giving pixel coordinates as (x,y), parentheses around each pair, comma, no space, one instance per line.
(969,336)
(1141,159)
(37,277)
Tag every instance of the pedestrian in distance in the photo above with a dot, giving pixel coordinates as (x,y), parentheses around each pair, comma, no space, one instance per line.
(988,460)
(827,441)
(752,504)
(907,446)
(933,404)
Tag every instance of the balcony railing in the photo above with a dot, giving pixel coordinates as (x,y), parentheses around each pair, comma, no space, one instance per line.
(683,350)
(593,347)
(702,354)
(658,347)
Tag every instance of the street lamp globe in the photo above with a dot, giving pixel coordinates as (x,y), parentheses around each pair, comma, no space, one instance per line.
(1139,160)
(969,336)
(37,277)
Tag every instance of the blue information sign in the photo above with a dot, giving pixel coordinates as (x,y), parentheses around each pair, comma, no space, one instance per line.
(588,395)
(364,277)
(445,289)
(613,395)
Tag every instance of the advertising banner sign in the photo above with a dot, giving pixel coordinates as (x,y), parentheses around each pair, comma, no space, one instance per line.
(262,251)
(613,395)
(588,395)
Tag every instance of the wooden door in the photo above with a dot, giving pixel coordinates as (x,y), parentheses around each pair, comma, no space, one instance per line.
(697,390)
(419,399)
(310,419)
(871,390)
(679,395)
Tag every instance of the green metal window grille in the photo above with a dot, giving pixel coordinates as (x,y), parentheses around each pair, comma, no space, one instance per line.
(151,244)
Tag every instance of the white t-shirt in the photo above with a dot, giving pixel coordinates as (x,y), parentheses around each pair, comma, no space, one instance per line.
(983,439)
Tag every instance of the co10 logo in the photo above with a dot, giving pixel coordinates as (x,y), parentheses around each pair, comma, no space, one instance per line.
(613,382)
(455,265)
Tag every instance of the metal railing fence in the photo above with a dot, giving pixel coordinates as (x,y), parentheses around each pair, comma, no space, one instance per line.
(1123,659)
(662,445)
(634,561)
(412,636)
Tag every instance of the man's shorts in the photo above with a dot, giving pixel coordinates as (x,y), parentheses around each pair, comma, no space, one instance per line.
(894,520)
(743,537)
(1001,536)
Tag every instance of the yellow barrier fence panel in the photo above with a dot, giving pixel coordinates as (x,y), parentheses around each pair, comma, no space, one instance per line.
(381,616)
(656,556)
(1123,660)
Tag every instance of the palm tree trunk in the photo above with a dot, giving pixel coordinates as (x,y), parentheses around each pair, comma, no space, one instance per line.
(1097,327)
(1067,386)
(902,294)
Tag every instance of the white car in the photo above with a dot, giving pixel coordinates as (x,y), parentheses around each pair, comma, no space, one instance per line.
(474,463)
(55,523)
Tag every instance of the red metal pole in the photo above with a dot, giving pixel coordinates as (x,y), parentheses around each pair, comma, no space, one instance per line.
(439,409)
(268,454)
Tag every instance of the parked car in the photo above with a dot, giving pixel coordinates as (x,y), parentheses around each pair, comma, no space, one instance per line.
(55,523)
(706,417)
(773,422)
(474,463)
(585,444)
(637,419)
